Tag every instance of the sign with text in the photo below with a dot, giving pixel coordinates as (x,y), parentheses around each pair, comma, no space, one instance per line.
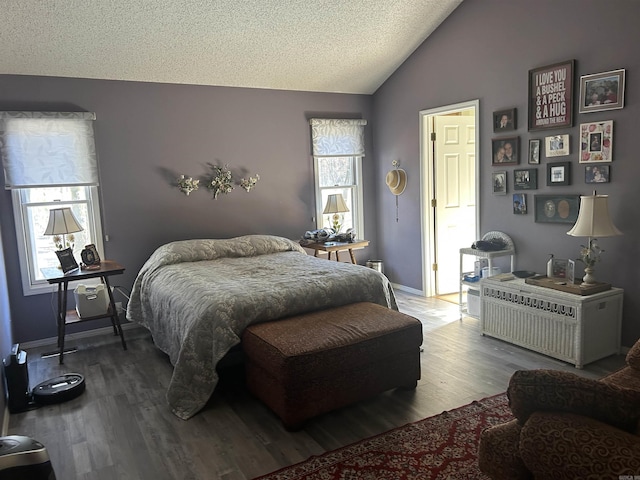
(551,96)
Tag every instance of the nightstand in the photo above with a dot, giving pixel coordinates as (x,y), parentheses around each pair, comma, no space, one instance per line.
(337,247)
(64,317)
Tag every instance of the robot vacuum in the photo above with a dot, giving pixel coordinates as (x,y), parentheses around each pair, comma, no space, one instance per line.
(59,389)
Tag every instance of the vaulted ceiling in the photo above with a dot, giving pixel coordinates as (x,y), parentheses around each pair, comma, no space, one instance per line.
(348,46)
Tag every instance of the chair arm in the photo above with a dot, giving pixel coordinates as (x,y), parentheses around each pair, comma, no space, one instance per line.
(550,390)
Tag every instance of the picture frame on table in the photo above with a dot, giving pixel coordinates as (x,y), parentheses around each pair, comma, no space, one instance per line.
(556,145)
(596,142)
(499,182)
(67,261)
(534,151)
(505,151)
(597,174)
(504,120)
(556,208)
(519,203)
(602,91)
(525,179)
(558,173)
(559,267)
(550,96)
(571,272)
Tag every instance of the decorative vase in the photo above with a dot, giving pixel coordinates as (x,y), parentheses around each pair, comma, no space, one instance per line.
(589,278)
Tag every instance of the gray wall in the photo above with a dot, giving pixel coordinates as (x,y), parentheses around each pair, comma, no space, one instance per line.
(147,134)
(5,330)
(484,51)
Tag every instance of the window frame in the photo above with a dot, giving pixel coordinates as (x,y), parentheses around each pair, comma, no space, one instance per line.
(357,196)
(25,237)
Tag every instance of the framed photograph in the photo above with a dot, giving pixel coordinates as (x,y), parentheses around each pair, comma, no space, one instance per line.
(505,151)
(559,267)
(525,179)
(551,96)
(602,91)
(557,145)
(596,142)
(67,262)
(504,120)
(534,151)
(499,180)
(597,174)
(519,203)
(556,208)
(558,173)
(571,271)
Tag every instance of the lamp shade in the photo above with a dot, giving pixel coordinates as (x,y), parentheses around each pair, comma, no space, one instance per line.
(335,204)
(593,218)
(61,222)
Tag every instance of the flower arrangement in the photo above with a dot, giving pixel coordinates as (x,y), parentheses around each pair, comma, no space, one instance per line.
(221,181)
(64,241)
(249,184)
(590,254)
(187,184)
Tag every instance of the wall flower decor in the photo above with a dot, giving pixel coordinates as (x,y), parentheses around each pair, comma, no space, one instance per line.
(249,184)
(221,182)
(187,184)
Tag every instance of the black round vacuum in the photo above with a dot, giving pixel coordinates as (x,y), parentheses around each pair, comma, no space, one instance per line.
(24,458)
(59,389)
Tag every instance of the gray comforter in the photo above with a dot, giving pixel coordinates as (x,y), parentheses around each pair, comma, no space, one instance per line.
(197,296)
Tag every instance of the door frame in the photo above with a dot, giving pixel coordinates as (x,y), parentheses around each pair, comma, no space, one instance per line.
(427,185)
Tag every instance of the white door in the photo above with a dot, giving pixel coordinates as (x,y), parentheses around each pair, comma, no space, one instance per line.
(455,195)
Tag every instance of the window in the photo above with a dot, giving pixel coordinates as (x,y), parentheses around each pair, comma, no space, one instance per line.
(49,162)
(338,148)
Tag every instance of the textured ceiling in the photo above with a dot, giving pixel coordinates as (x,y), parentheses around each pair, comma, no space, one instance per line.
(349,46)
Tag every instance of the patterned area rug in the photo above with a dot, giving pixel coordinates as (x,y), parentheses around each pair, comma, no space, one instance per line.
(441,447)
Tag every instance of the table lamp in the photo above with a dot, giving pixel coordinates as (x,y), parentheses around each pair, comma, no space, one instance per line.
(337,206)
(62,221)
(593,221)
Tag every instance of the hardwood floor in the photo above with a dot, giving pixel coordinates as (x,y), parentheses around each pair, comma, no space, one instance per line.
(121,427)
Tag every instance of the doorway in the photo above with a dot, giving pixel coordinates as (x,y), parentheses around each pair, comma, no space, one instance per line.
(449,145)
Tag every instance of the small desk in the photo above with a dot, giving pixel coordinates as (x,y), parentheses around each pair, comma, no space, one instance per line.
(55,276)
(337,247)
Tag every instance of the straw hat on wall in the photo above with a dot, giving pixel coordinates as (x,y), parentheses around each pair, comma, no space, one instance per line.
(397,181)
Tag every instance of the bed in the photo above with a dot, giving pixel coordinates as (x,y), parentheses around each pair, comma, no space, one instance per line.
(196,297)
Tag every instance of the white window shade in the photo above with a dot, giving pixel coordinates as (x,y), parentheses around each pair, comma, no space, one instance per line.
(337,137)
(45,149)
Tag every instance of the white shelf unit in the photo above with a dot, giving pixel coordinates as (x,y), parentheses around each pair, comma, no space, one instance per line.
(578,329)
(476,285)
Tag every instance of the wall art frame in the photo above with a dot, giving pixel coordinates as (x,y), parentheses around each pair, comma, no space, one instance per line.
(525,179)
(556,145)
(602,91)
(551,96)
(500,148)
(499,182)
(596,142)
(558,173)
(597,174)
(556,208)
(534,151)
(505,120)
(519,203)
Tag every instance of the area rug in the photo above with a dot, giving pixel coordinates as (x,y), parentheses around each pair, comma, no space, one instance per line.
(441,447)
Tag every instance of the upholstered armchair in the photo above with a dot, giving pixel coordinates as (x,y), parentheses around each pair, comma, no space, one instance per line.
(567,426)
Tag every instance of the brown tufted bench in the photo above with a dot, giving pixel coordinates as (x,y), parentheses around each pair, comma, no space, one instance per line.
(312,363)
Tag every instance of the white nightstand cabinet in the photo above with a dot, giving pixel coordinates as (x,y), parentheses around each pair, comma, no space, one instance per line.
(573,328)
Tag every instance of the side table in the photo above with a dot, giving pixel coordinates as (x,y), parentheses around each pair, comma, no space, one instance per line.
(337,247)
(55,276)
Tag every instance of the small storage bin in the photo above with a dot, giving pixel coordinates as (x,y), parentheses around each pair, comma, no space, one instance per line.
(473,302)
(486,273)
(91,301)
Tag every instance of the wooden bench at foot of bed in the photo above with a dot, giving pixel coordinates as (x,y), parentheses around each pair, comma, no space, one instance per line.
(313,363)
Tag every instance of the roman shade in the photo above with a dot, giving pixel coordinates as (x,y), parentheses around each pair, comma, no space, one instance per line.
(46,149)
(337,137)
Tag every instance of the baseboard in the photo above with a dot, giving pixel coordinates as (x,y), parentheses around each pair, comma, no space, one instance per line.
(407,289)
(96,332)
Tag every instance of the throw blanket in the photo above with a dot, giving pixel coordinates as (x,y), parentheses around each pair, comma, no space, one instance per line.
(197,297)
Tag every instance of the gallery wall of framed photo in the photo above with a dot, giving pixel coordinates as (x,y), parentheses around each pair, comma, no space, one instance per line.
(543,157)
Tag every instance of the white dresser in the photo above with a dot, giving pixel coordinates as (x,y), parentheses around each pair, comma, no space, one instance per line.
(573,328)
